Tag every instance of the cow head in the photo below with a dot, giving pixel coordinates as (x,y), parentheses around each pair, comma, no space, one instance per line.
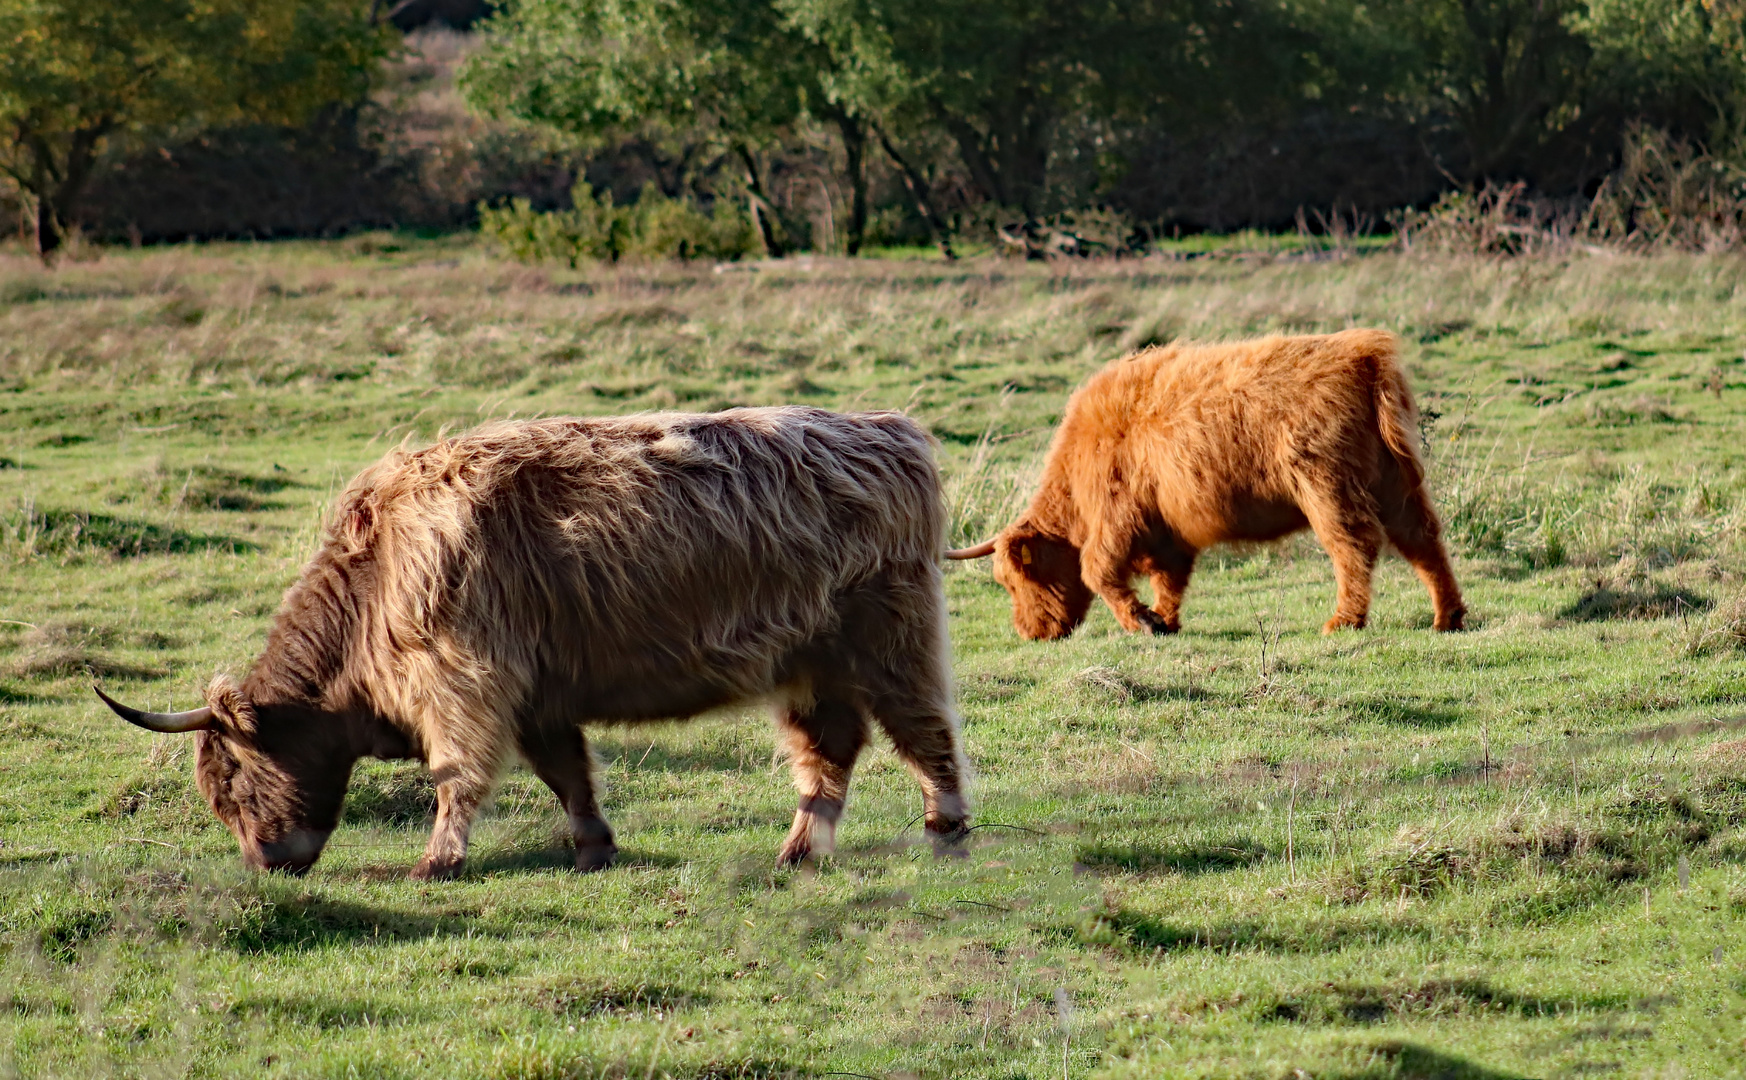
(1041,573)
(275,774)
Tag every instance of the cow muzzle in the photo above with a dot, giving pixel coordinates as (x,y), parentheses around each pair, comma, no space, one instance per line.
(294,854)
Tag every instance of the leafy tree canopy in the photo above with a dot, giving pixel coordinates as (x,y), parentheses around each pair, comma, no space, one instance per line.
(733,71)
(75,74)
(1046,103)
(596,67)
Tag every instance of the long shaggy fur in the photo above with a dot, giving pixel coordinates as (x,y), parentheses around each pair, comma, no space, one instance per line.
(1169,451)
(481,598)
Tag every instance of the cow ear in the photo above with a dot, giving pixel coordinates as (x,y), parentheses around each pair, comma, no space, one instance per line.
(229,706)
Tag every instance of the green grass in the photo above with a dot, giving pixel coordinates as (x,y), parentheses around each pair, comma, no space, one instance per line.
(1249,850)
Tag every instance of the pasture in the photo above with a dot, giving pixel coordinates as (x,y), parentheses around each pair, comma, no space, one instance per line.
(1245,851)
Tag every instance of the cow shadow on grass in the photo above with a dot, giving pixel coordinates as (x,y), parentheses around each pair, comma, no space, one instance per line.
(1605,603)
(305,922)
(55,532)
(390,793)
(1343,1003)
(1228,633)
(649,755)
(1396,1060)
(1188,859)
(1405,712)
(533,860)
(328,1012)
(1143,933)
(1116,687)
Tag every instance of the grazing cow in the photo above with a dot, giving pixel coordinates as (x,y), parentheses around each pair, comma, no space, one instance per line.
(1173,449)
(482,598)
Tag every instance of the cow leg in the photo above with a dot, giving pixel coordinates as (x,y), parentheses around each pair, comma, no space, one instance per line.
(559,757)
(926,740)
(1413,530)
(1169,570)
(1345,523)
(823,740)
(460,793)
(1107,565)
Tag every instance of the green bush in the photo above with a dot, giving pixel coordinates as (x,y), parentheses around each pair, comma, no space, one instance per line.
(653,227)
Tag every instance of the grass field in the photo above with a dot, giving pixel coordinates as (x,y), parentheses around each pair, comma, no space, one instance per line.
(1246,851)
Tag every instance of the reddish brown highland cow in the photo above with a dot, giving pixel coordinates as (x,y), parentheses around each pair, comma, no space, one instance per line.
(1169,451)
(481,599)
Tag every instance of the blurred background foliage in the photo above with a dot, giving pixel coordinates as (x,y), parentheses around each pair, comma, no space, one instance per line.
(834,125)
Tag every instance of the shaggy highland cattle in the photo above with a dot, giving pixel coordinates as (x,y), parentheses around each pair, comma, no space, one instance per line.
(1177,448)
(484,597)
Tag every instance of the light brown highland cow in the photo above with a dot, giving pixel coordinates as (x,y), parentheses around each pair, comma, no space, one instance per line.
(1169,451)
(481,599)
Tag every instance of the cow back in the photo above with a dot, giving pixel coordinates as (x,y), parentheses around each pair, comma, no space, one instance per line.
(640,566)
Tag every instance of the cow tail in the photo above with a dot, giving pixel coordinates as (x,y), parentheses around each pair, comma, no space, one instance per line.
(1398,418)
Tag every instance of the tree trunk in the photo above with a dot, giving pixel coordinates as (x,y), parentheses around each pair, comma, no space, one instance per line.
(855,150)
(982,170)
(57,186)
(1010,163)
(763,215)
(48,232)
(917,185)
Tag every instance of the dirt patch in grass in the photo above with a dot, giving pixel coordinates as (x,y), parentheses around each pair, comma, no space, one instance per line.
(1727,752)
(582,996)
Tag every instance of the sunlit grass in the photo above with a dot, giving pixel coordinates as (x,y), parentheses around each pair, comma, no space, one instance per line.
(1249,850)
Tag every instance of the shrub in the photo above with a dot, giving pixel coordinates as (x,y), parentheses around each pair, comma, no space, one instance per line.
(1494,220)
(1668,193)
(595,229)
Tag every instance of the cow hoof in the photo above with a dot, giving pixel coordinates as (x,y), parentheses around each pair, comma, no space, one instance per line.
(592,859)
(431,870)
(1450,621)
(1342,622)
(1154,623)
(793,854)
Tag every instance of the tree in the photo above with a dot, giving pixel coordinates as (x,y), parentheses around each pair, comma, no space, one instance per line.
(1004,80)
(993,75)
(1679,65)
(1543,90)
(1510,74)
(76,75)
(604,68)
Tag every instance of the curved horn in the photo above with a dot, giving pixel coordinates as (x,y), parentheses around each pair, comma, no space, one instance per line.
(980,551)
(168,723)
